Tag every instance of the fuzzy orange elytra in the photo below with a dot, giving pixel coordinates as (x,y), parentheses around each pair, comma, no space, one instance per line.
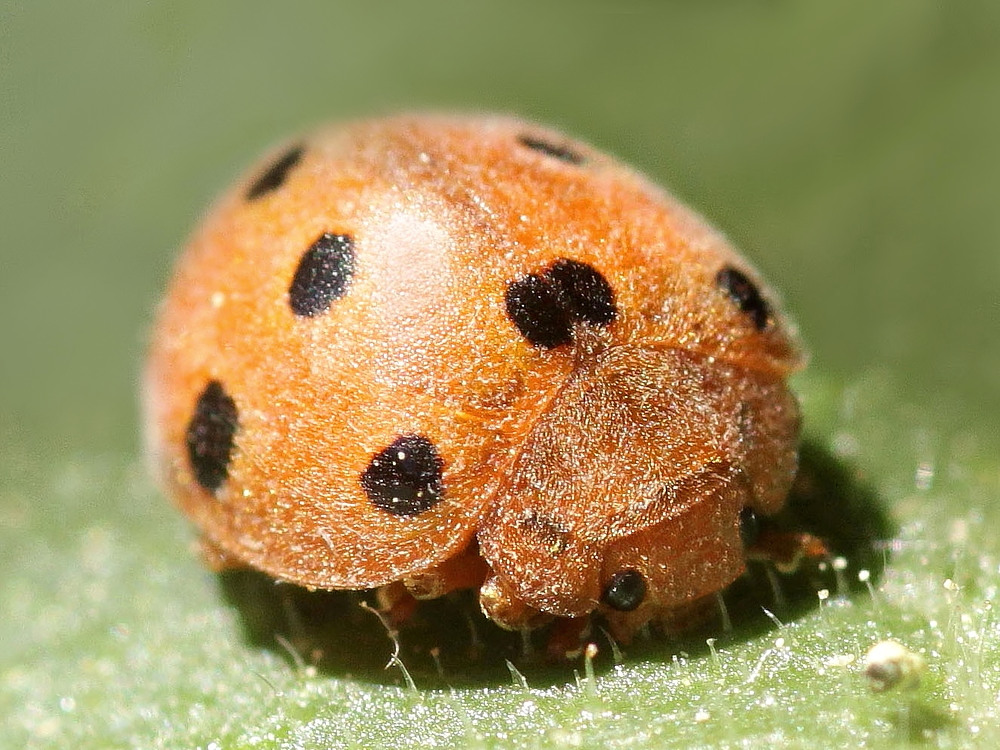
(468,352)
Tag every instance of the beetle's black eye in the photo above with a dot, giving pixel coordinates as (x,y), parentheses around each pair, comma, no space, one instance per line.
(749,526)
(625,591)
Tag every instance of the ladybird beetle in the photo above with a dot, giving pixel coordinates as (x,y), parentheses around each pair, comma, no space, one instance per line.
(444,353)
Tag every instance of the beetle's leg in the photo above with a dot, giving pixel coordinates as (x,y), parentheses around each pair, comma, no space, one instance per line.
(786,549)
(463,571)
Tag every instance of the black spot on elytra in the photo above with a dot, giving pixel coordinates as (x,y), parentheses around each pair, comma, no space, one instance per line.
(404,478)
(275,175)
(545,306)
(536,306)
(209,436)
(588,293)
(745,294)
(625,591)
(563,153)
(323,275)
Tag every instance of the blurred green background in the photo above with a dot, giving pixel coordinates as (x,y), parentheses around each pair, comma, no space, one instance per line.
(850,148)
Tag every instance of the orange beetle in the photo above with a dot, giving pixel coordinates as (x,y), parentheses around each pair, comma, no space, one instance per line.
(458,352)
